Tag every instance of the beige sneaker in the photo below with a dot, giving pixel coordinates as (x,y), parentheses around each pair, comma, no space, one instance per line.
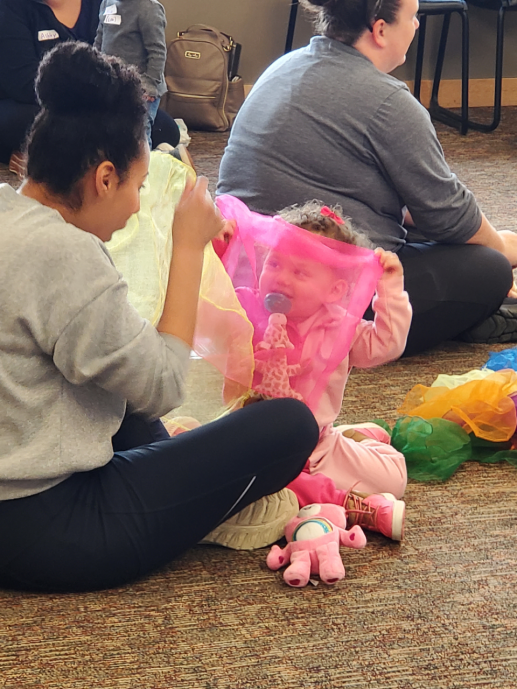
(180,153)
(258,525)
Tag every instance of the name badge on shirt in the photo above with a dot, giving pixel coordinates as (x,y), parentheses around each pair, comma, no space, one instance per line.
(50,35)
(112,19)
(112,9)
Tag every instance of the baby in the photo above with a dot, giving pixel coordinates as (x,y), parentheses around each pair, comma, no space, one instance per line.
(352,466)
(302,300)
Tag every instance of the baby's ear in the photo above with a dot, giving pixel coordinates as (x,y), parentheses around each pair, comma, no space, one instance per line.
(337,291)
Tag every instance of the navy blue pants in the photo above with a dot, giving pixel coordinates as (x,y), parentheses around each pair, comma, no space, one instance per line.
(155,498)
(451,288)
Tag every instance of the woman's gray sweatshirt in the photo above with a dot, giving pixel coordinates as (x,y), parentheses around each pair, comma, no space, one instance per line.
(73,351)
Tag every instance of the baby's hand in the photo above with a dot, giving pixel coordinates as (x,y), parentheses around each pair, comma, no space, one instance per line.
(390,263)
(227,232)
(222,239)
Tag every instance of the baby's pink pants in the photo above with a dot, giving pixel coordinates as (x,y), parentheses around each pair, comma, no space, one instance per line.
(339,464)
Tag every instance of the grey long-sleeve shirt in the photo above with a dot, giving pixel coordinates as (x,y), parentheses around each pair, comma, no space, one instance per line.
(134,30)
(323,122)
(73,352)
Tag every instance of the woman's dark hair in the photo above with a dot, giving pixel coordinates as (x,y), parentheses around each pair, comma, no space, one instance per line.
(347,20)
(92,110)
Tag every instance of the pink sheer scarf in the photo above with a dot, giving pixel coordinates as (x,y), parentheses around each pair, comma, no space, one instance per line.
(303,294)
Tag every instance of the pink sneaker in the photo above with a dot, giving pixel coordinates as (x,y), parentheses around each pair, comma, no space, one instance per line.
(380,512)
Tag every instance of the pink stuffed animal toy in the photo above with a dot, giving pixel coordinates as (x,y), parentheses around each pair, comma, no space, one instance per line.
(314,537)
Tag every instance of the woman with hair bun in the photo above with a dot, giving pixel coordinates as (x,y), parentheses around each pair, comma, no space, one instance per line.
(28,30)
(93,491)
(328,121)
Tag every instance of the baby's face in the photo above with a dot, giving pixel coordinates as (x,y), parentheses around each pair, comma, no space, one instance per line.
(307,284)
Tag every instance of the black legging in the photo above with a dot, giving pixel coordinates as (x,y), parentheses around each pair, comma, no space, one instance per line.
(106,527)
(15,121)
(17,118)
(451,288)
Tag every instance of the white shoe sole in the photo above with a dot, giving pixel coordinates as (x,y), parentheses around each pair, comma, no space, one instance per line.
(260,524)
(399,516)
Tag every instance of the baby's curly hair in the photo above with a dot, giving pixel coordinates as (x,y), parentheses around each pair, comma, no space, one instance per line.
(309,217)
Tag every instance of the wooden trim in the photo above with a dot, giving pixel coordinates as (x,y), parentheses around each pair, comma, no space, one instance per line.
(481,92)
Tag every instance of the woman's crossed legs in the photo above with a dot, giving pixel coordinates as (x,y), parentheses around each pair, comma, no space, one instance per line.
(109,526)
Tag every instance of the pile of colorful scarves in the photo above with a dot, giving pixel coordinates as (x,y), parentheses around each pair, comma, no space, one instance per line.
(460,418)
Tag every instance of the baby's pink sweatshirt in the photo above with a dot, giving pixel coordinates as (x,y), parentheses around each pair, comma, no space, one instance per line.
(339,463)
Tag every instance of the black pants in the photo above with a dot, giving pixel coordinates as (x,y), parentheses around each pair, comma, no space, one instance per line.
(17,118)
(451,288)
(109,526)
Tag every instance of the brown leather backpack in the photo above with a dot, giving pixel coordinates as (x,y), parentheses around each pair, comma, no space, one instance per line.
(202,87)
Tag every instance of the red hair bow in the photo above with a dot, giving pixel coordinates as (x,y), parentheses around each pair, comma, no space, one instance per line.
(330,214)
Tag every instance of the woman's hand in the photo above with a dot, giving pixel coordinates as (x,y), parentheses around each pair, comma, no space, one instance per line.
(504,241)
(510,245)
(407,219)
(197,220)
(390,263)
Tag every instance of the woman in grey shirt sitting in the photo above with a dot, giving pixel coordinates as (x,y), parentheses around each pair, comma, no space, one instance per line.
(93,492)
(329,122)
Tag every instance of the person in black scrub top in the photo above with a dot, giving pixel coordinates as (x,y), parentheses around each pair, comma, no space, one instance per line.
(29,29)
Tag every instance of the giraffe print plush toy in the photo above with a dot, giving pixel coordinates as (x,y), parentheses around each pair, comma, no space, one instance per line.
(274,368)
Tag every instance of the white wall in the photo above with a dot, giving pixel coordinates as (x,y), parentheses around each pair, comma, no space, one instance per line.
(261,27)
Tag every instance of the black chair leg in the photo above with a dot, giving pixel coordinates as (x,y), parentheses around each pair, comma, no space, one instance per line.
(291,27)
(420,56)
(464,72)
(441,114)
(444,114)
(440,58)
(498,79)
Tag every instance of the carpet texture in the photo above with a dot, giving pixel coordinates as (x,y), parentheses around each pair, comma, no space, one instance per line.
(438,611)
